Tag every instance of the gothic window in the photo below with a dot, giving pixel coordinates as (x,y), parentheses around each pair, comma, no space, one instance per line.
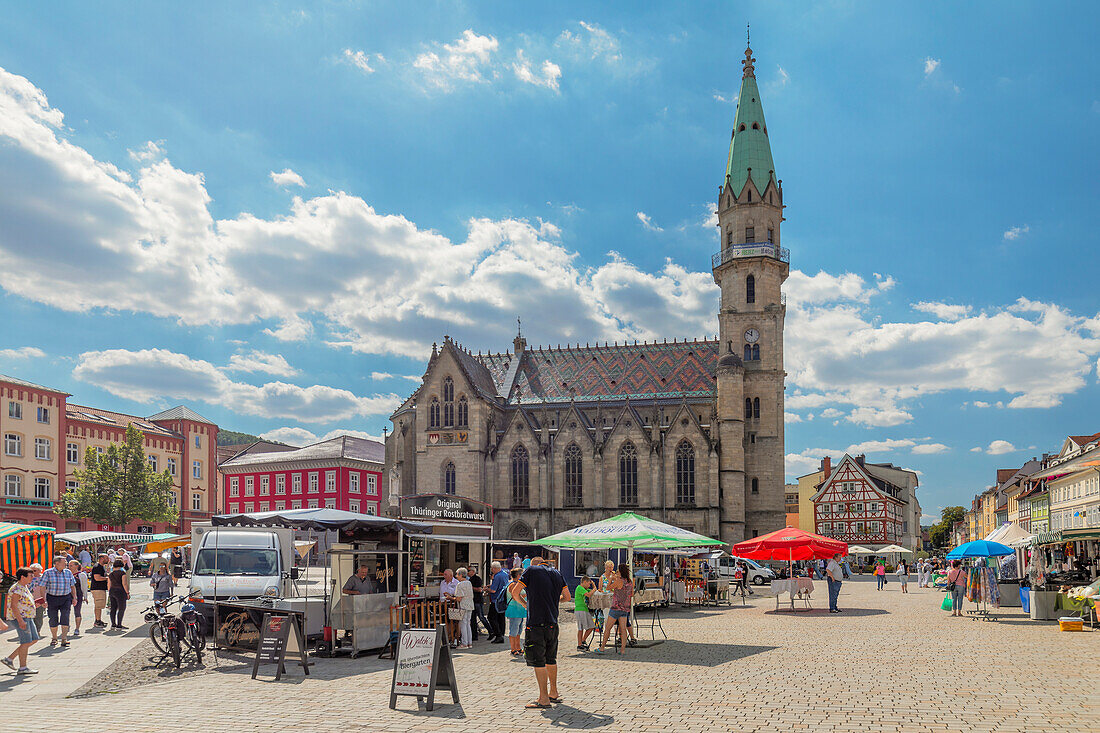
(741,128)
(573,481)
(756,486)
(748,401)
(448,403)
(729,238)
(756,352)
(628,475)
(750,287)
(750,234)
(748,356)
(448,390)
(449,478)
(771,234)
(521,474)
(756,407)
(685,473)
(750,195)
(433,413)
(463,413)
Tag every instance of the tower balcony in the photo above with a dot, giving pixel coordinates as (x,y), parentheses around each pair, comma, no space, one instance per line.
(750,249)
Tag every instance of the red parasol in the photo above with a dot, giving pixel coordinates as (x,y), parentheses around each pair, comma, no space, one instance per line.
(789,544)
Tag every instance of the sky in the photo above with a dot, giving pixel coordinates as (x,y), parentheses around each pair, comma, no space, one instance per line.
(270,211)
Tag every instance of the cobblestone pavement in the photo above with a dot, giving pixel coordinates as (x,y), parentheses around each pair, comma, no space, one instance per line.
(890,662)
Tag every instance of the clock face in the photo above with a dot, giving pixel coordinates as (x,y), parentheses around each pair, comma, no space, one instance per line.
(752,336)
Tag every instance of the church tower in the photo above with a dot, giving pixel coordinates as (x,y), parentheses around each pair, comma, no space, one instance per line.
(750,269)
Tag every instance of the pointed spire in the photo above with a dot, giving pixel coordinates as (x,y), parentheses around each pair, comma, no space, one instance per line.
(749,69)
(750,153)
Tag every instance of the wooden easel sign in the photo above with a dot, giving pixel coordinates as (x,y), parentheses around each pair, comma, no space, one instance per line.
(277,634)
(422,665)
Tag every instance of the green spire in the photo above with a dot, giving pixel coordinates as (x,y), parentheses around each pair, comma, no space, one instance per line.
(750,147)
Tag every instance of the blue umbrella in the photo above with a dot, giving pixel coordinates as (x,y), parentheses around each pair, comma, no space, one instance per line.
(979,548)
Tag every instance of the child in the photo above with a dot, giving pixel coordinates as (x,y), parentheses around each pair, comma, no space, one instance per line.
(585,623)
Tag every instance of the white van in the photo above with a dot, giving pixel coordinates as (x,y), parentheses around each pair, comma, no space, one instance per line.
(757,575)
(241,562)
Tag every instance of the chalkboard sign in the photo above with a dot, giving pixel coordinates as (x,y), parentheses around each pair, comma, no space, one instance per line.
(277,634)
(422,665)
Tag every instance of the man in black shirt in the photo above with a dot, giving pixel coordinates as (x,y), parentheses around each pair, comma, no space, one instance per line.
(545,588)
(98,587)
(479,604)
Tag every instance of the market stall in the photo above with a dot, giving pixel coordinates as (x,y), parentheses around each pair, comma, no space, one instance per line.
(458,533)
(21,545)
(790,544)
(981,580)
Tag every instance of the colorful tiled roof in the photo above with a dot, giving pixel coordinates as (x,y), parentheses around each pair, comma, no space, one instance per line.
(682,369)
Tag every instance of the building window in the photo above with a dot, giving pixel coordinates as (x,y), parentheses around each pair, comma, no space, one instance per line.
(15,410)
(330,503)
(756,486)
(685,473)
(153,463)
(574,483)
(13,444)
(249,486)
(372,484)
(448,390)
(312,504)
(172,466)
(755,352)
(44,415)
(196,469)
(198,441)
(69,485)
(628,475)
(353,506)
(234,486)
(756,408)
(449,478)
(13,485)
(729,238)
(750,236)
(280,505)
(520,476)
(172,498)
(263,507)
(72,453)
(42,448)
(196,502)
(330,481)
(771,235)
(463,413)
(372,509)
(296,504)
(313,479)
(750,289)
(353,482)
(296,484)
(748,403)
(433,413)
(265,485)
(280,484)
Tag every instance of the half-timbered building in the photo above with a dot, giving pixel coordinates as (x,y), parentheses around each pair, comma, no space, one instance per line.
(865,504)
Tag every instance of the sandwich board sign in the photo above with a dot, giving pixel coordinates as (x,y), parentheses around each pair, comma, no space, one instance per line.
(276,635)
(422,665)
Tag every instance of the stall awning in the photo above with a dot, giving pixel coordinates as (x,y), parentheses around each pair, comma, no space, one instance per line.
(79,539)
(321,520)
(1077,535)
(160,543)
(23,544)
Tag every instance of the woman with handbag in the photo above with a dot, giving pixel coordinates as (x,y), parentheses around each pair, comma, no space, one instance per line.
(956,587)
(880,574)
(464,594)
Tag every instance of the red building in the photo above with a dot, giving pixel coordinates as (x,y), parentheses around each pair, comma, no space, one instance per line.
(341,473)
(857,507)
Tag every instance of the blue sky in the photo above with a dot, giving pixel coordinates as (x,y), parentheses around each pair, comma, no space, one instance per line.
(270,212)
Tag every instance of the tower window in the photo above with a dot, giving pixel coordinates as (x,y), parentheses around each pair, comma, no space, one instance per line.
(771,233)
(756,486)
(750,196)
(685,473)
(741,128)
(520,476)
(756,125)
(750,286)
(750,234)
(729,238)
(433,413)
(449,478)
(747,357)
(756,407)
(748,401)
(756,352)
(628,475)
(573,480)
(463,413)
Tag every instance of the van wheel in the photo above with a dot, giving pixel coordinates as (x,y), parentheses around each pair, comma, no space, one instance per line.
(758,580)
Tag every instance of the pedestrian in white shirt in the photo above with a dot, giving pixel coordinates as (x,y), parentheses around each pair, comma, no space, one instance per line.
(834,575)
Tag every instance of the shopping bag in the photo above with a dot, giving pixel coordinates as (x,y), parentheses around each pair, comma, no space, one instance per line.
(946,605)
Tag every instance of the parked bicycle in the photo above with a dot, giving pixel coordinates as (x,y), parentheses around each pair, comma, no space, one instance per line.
(173,635)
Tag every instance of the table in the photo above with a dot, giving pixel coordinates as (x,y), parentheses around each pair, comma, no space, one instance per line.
(1083,607)
(598,601)
(799,588)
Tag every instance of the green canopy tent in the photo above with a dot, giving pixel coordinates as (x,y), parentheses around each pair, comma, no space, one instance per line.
(631,532)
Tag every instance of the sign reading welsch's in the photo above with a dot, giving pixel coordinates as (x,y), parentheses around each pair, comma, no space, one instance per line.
(446,508)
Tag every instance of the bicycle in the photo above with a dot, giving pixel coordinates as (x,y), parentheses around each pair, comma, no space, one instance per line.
(170,633)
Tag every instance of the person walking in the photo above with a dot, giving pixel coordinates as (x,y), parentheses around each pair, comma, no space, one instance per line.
(902,572)
(39,593)
(85,558)
(464,594)
(834,576)
(447,594)
(515,613)
(585,623)
(498,602)
(162,583)
(80,594)
(479,605)
(880,574)
(118,590)
(60,587)
(540,590)
(622,590)
(98,588)
(176,561)
(956,586)
(21,609)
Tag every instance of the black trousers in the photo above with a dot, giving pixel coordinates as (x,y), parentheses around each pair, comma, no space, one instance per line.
(118,606)
(496,622)
(479,616)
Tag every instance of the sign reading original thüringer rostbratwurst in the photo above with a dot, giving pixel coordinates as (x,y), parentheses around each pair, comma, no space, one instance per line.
(446,508)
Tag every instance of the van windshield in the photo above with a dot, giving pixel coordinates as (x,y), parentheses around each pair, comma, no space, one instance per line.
(237,561)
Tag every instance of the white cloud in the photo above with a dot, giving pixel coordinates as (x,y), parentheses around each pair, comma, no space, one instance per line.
(719,97)
(791,417)
(930,65)
(977,449)
(879,446)
(943,311)
(1014,233)
(591,42)
(157,375)
(1000,447)
(23,352)
(360,60)
(291,328)
(287,178)
(468,59)
(647,222)
(259,361)
(930,448)
(879,417)
(547,75)
(980,403)
(149,152)
(379,376)
(830,413)
(300,437)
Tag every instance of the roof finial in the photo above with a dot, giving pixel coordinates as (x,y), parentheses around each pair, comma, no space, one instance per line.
(519,326)
(748,62)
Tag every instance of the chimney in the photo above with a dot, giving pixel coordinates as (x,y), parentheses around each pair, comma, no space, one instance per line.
(827,466)
(861,458)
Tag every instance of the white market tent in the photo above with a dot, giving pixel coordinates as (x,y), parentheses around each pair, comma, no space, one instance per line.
(859,550)
(1010,534)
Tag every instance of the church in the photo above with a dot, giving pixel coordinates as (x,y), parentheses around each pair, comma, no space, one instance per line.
(688,432)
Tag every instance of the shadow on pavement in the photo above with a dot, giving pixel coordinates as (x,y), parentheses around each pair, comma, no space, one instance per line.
(818,612)
(567,716)
(675,651)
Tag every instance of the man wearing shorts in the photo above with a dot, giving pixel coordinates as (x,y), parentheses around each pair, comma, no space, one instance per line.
(98,587)
(545,588)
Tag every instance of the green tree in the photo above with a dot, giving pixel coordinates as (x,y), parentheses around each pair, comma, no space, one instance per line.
(118,486)
(940,534)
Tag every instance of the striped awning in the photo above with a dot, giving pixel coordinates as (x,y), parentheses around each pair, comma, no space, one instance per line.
(79,539)
(23,544)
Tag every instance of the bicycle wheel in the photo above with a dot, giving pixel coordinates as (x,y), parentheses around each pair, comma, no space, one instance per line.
(156,635)
(196,641)
(174,646)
